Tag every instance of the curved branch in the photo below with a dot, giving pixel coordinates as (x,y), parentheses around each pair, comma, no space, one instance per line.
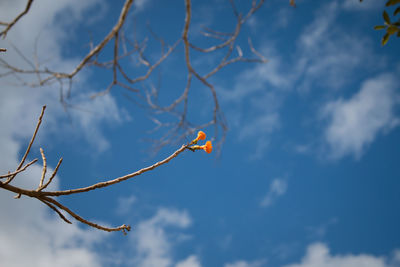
(9,25)
(56,210)
(45,196)
(116,180)
(122,228)
(18,171)
(99,47)
(29,146)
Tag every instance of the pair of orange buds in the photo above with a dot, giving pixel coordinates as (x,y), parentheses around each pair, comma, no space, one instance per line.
(201,136)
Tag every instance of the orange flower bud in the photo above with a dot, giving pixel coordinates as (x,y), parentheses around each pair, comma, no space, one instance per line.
(201,135)
(207,147)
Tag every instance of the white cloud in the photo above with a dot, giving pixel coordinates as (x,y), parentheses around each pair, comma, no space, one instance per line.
(252,22)
(140,5)
(31,234)
(355,123)
(242,263)
(125,204)
(191,261)
(259,78)
(302,148)
(318,255)
(91,114)
(19,102)
(256,87)
(327,54)
(396,257)
(319,232)
(262,124)
(314,33)
(225,242)
(152,244)
(277,188)
(259,129)
(25,221)
(284,17)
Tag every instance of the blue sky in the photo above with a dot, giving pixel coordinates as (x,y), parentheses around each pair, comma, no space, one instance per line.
(307,176)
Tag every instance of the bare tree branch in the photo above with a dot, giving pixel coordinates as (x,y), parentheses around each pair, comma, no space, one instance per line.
(46,196)
(124,228)
(176,130)
(113,33)
(9,25)
(18,171)
(29,147)
(182,126)
(51,206)
(52,176)
(44,168)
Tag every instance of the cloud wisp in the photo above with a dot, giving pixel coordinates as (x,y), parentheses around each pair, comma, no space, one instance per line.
(27,222)
(32,236)
(277,188)
(356,122)
(242,263)
(153,245)
(318,255)
(325,57)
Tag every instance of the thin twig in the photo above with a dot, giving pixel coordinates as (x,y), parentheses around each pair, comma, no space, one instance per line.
(20,170)
(98,48)
(52,176)
(152,67)
(56,210)
(192,70)
(9,25)
(29,146)
(176,130)
(34,193)
(44,168)
(116,180)
(122,228)
(33,138)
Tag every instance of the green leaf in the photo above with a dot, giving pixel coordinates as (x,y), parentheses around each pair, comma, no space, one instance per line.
(386,17)
(392,2)
(392,29)
(379,27)
(385,39)
(397,11)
